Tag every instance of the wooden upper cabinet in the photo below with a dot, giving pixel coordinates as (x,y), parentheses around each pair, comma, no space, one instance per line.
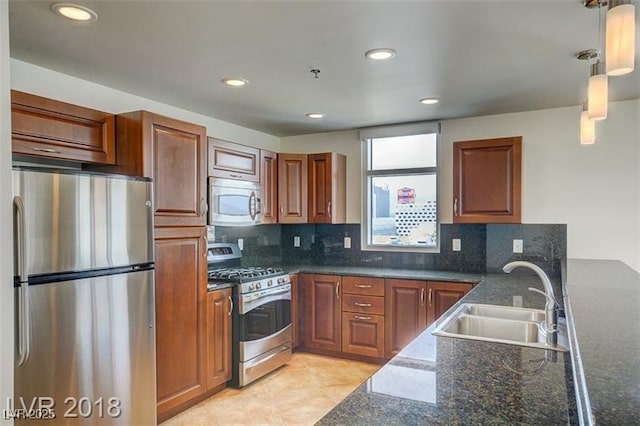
(327,188)
(487,181)
(443,295)
(233,161)
(292,188)
(269,186)
(49,128)
(171,152)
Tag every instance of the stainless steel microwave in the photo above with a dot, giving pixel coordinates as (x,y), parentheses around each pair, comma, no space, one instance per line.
(234,202)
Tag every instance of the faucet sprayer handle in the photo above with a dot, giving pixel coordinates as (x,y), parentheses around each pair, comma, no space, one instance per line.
(549,297)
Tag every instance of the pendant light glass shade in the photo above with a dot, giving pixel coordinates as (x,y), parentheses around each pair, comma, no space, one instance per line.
(587,129)
(598,93)
(620,39)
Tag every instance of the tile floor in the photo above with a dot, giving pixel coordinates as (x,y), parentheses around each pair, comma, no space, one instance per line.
(299,393)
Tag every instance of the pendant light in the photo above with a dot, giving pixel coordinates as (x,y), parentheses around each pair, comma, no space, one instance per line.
(620,37)
(587,125)
(587,128)
(598,92)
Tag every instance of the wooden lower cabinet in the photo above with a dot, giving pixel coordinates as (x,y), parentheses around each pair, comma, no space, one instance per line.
(405,313)
(218,338)
(322,316)
(363,334)
(295,311)
(181,289)
(370,317)
(443,295)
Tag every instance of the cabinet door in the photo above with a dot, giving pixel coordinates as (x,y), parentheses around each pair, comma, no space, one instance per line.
(180,283)
(218,338)
(295,311)
(443,295)
(322,311)
(49,128)
(269,186)
(405,313)
(486,181)
(327,188)
(292,188)
(233,161)
(179,172)
(363,334)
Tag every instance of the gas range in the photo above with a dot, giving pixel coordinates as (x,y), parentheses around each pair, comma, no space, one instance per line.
(249,279)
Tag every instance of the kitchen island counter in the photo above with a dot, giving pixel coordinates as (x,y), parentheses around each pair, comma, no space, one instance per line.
(441,380)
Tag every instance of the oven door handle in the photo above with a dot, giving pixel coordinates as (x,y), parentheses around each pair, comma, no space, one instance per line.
(246,306)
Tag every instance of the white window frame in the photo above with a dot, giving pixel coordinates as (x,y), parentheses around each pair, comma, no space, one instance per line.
(393,131)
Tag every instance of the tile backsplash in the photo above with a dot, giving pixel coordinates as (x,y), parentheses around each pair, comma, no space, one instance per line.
(484,248)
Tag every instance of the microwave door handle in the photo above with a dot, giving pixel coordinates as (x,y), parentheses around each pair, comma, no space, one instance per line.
(258,206)
(252,206)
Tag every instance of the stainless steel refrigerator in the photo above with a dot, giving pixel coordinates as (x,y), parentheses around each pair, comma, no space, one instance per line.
(84,285)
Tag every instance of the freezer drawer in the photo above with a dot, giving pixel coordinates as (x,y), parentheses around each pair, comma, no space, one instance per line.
(92,351)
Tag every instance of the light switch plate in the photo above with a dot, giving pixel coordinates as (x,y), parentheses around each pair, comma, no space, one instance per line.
(347,242)
(241,243)
(517,301)
(456,244)
(296,241)
(517,246)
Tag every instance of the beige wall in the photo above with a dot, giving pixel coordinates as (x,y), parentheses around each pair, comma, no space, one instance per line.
(31,78)
(595,189)
(6,246)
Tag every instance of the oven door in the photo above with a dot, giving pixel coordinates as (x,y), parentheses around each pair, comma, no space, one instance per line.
(264,321)
(234,203)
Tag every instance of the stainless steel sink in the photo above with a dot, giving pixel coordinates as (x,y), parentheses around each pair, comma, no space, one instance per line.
(501,324)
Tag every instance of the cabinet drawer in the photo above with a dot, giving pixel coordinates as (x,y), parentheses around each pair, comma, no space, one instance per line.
(363,304)
(363,334)
(363,285)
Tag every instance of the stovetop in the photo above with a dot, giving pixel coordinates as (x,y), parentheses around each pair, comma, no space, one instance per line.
(243,275)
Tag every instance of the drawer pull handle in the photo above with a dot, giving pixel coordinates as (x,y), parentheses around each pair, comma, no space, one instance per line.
(364,305)
(362,318)
(363,286)
(50,150)
(430,295)
(422,297)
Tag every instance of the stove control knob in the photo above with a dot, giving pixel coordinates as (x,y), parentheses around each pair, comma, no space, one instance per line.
(269,283)
(258,286)
(280,280)
(250,287)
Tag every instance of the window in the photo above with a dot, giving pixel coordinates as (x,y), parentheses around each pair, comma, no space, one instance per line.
(400,203)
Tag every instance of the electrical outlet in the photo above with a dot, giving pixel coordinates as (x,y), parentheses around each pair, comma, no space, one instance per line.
(265,240)
(241,243)
(517,301)
(296,241)
(456,244)
(517,246)
(347,242)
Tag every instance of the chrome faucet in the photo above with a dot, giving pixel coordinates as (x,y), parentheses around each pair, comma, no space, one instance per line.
(551,306)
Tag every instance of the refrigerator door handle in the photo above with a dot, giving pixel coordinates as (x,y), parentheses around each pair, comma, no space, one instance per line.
(23,291)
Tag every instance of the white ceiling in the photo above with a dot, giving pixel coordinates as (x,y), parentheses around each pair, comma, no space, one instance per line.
(480,57)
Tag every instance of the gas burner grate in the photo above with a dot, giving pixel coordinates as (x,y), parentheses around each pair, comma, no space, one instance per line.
(242,274)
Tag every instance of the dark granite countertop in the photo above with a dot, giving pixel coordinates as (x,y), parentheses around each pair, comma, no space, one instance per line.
(440,380)
(604,299)
(386,273)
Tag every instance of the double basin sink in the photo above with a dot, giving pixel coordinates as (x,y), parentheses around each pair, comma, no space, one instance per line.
(500,324)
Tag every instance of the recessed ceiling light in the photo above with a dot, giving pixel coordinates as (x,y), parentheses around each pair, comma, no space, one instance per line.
(316,115)
(380,54)
(75,12)
(429,101)
(235,82)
